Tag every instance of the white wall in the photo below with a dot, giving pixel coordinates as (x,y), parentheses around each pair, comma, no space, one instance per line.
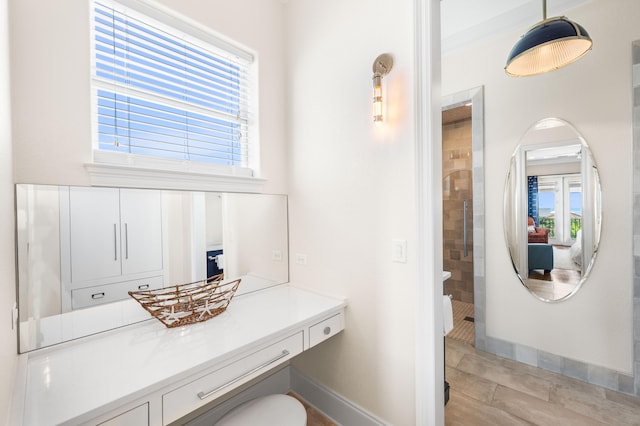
(213,212)
(38,248)
(594,94)
(50,64)
(249,245)
(352,188)
(8,350)
(177,217)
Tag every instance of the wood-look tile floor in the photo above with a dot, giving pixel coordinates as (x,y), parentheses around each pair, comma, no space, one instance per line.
(489,390)
(314,416)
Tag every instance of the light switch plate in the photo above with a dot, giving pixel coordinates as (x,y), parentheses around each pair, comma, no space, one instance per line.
(399,251)
(276,255)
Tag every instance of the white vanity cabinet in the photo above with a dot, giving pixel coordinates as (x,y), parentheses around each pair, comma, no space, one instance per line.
(147,374)
(326,328)
(109,237)
(138,416)
(195,394)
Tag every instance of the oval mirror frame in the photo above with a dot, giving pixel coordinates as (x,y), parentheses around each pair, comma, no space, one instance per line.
(553,182)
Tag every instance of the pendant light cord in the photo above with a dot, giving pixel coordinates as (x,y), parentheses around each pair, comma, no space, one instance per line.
(544,10)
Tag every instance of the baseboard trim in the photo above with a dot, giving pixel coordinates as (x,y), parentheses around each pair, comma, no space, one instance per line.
(590,373)
(335,406)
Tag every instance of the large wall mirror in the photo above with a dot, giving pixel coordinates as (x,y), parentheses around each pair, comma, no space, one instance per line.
(81,249)
(552,210)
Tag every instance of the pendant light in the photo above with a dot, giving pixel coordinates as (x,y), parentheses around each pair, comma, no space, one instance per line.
(550,44)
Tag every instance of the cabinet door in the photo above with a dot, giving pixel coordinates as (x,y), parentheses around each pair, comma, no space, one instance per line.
(94,233)
(141,222)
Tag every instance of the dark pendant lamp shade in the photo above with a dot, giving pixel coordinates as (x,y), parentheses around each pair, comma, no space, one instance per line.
(551,44)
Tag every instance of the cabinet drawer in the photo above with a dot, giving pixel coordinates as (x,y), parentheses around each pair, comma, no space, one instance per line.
(323,330)
(187,398)
(91,296)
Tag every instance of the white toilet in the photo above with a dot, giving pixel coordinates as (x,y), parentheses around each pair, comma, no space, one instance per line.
(270,410)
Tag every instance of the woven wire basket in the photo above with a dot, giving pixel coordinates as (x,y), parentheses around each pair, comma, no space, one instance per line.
(189,303)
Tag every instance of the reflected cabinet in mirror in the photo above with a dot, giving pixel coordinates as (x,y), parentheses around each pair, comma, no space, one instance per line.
(82,249)
(552,210)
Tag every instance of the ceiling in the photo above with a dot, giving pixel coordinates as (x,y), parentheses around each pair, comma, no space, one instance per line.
(464,22)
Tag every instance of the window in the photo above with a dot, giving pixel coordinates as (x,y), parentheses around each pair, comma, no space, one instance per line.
(560,206)
(162,93)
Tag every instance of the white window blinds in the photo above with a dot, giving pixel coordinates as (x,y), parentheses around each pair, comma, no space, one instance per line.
(163,93)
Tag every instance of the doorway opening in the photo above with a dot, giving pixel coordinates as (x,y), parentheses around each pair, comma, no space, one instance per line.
(457,218)
(463,212)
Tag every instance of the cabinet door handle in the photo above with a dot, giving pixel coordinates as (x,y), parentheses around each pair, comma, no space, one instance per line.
(327,330)
(126,241)
(97,296)
(205,395)
(143,286)
(115,242)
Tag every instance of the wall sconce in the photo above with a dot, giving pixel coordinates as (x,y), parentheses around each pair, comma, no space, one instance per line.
(381,67)
(551,44)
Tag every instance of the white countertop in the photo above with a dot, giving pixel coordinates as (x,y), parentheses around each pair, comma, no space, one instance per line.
(51,330)
(68,381)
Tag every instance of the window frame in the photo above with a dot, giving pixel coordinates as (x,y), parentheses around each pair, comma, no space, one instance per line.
(134,170)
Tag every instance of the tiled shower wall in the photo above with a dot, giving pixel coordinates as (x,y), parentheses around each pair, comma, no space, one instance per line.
(457,186)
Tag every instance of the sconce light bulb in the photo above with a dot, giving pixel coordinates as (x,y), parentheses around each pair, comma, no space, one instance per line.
(377,92)
(377,110)
(377,98)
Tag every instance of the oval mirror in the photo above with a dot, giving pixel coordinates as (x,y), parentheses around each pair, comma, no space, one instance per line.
(552,210)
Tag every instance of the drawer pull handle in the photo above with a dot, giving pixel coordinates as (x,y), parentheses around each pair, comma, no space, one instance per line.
(97,296)
(327,330)
(143,287)
(203,395)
